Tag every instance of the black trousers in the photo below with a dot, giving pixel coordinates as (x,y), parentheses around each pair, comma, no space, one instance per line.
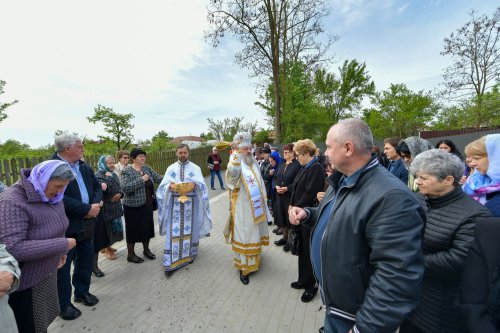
(306,276)
(21,303)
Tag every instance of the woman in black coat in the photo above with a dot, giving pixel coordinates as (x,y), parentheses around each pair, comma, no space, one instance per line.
(111,212)
(480,288)
(309,181)
(448,235)
(284,181)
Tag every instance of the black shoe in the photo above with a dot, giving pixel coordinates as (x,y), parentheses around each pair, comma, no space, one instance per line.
(308,295)
(87,299)
(286,248)
(244,278)
(279,232)
(150,255)
(169,273)
(223,188)
(98,273)
(213,188)
(280,242)
(275,230)
(135,259)
(69,312)
(297,285)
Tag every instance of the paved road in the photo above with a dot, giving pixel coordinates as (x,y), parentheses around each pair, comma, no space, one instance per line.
(206,296)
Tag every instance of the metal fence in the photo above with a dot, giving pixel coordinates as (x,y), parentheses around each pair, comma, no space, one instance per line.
(10,169)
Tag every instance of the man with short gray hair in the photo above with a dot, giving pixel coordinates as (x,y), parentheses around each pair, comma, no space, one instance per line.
(366,241)
(82,203)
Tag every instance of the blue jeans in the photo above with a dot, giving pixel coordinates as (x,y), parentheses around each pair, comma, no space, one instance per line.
(337,325)
(82,255)
(212,174)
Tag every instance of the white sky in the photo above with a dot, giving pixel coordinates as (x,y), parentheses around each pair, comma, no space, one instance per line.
(62,58)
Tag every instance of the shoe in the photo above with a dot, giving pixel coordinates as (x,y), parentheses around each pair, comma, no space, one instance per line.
(87,299)
(112,249)
(135,259)
(308,295)
(98,273)
(223,188)
(297,285)
(286,248)
(244,278)
(276,230)
(70,312)
(169,273)
(280,242)
(213,188)
(150,255)
(279,232)
(110,254)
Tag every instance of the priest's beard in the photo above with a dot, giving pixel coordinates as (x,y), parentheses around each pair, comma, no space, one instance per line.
(249,159)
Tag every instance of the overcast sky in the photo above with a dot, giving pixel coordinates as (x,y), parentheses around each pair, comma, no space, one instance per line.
(62,58)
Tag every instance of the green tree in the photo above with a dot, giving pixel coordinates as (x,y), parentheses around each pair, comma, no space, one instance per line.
(117,125)
(273,32)
(13,148)
(161,141)
(4,106)
(475,51)
(225,130)
(400,112)
(342,96)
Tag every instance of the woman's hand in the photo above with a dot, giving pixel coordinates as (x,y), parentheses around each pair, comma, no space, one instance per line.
(216,162)
(116,197)
(320,196)
(145,177)
(62,261)
(104,186)
(6,281)
(71,243)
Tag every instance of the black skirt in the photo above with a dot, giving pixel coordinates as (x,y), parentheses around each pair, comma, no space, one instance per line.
(139,224)
(101,235)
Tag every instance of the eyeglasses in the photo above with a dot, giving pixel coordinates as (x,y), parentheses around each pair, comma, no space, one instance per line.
(125,157)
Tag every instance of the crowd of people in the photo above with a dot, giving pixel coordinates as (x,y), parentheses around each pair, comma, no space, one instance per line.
(406,238)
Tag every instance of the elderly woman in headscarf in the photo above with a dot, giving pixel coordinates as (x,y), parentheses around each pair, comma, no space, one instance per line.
(448,235)
(409,148)
(106,232)
(32,226)
(274,162)
(484,184)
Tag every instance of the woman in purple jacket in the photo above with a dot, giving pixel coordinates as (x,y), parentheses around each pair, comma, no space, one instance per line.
(32,226)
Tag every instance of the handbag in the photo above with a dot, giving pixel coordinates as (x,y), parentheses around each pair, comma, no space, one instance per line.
(155,203)
(210,166)
(295,242)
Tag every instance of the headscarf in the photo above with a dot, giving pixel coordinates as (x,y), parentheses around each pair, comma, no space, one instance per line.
(103,167)
(478,185)
(40,177)
(277,158)
(417,145)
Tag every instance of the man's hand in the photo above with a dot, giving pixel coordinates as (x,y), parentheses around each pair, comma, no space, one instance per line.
(320,196)
(6,281)
(172,187)
(62,261)
(104,186)
(94,210)
(296,215)
(116,197)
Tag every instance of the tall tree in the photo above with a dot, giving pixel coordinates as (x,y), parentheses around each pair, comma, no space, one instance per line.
(117,125)
(225,130)
(4,106)
(161,141)
(475,51)
(400,112)
(342,96)
(272,32)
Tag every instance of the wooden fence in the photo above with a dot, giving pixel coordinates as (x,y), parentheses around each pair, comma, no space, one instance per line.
(159,161)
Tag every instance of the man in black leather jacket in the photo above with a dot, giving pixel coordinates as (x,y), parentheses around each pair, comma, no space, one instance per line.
(366,245)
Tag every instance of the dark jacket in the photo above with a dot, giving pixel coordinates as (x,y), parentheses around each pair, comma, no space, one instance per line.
(110,210)
(284,177)
(214,157)
(133,185)
(371,256)
(493,203)
(483,262)
(75,209)
(448,234)
(306,185)
(399,170)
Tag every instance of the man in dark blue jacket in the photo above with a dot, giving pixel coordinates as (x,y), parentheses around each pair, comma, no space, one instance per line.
(366,245)
(82,202)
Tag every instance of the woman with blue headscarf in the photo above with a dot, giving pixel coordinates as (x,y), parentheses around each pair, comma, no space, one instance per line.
(32,226)
(484,184)
(108,229)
